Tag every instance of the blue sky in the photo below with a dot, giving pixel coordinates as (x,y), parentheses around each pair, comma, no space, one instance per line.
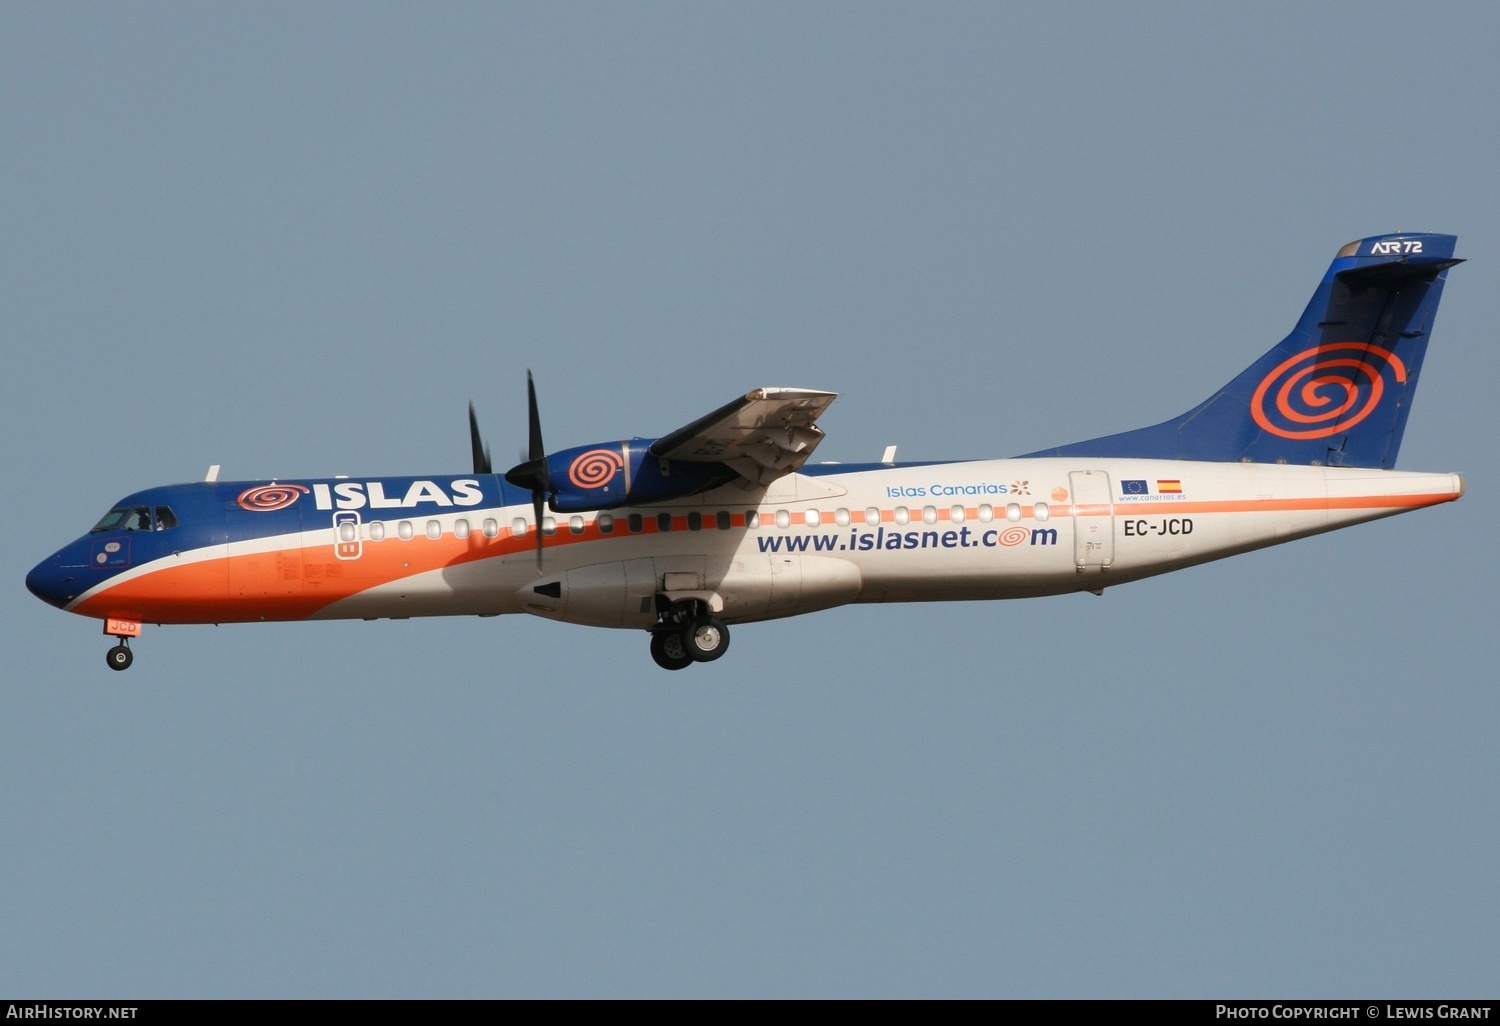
(296,240)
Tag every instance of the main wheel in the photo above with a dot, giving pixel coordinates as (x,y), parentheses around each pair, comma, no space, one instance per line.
(668,651)
(706,639)
(119,658)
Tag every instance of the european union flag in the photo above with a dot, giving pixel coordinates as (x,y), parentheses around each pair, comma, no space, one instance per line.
(1134,488)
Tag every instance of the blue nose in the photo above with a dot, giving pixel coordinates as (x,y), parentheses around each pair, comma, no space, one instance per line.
(53,583)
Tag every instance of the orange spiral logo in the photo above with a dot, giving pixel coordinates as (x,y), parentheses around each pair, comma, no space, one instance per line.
(1014,536)
(595,468)
(264,498)
(1315,394)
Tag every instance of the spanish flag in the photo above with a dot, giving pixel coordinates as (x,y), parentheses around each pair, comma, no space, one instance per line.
(1168,487)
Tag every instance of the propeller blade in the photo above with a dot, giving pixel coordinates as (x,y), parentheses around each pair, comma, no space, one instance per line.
(538,453)
(535,450)
(482,463)
(532,474)
(536,509)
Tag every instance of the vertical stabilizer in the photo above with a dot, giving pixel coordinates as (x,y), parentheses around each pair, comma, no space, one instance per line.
(1337,390)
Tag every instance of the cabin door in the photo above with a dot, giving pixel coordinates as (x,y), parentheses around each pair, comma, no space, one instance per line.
(1093,520)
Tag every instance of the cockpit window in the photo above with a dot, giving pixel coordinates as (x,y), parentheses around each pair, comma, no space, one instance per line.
(165,518)
(108,521)
(126,518)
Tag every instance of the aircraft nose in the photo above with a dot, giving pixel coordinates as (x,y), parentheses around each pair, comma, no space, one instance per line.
(52,582)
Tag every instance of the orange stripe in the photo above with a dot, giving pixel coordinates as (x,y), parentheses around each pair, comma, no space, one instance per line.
(1278,505)
(296,582)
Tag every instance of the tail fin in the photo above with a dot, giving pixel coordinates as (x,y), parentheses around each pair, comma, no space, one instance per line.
(1337,390)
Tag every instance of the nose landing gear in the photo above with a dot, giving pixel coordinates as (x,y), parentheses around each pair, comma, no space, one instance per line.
(120,657)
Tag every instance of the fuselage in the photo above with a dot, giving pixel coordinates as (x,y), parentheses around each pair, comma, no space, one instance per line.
(222,552)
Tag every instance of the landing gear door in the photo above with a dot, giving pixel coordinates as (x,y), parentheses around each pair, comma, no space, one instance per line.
(1093,520)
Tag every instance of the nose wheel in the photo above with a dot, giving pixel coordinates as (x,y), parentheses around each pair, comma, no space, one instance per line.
(119,657)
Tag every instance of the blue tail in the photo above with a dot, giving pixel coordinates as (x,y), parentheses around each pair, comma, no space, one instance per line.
(1337,390)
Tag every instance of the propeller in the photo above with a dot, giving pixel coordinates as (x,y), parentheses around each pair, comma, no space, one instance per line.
(532,474)
(482,463)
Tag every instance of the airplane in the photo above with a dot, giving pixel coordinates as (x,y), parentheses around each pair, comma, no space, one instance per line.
(724,521)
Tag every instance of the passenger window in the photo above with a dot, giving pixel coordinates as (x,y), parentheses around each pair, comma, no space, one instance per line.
(752,518)
(929,514)
(460,528)
(165,518)
(722,519)
(956,514)
(549,526)
(575,525)
(902,516)
(695,521)
(517,528)
(783,518)
(1012,511)
(490,528)
(606,523)
(635,523)
(986,512)
(1040,511)
(812,518)
(841,517)
(872,516)
(434,529)
(377,531)
(403,529)
(663,521)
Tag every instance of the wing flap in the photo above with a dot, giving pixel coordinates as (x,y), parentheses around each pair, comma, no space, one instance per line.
(763,435)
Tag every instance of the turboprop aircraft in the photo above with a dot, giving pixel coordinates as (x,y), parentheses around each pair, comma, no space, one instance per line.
(724,521)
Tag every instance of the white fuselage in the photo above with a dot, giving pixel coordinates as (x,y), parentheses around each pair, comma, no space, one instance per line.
(976,530)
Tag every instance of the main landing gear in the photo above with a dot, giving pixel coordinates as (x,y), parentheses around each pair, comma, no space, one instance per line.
(687,633)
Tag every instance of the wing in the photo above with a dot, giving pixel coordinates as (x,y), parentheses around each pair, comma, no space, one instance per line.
(761,436)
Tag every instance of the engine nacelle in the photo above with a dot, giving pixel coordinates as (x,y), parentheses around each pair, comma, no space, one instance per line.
(614,474)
